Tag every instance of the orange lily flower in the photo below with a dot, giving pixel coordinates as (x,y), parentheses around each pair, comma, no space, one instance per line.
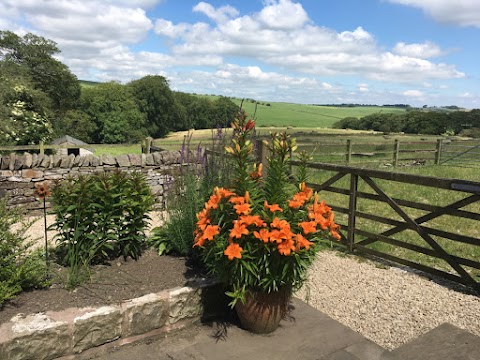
(242,209)
(257,171)
(263,235)
(306,191)
(272,208)
(211,231)
(251,220)
(280,224)
(286,247)
(233,251)
(302,242)
(213,202)
(308,227)
(237,200)
(238,230)
(224,193)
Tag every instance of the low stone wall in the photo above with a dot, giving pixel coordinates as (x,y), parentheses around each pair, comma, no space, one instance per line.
(65,333)
(19,173)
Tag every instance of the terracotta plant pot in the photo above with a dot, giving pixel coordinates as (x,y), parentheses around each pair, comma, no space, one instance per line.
(262,312)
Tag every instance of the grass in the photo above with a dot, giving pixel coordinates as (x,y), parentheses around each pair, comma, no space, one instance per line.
(280,114)
(417,193)
(116,149)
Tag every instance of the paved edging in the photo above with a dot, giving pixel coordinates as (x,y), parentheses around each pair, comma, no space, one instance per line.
(52,335)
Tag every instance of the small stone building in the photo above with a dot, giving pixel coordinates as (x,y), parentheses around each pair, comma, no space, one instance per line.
(71,141)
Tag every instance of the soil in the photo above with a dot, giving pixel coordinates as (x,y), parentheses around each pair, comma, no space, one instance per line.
(111,283)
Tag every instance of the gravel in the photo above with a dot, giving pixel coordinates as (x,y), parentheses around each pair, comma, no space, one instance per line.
(387,305)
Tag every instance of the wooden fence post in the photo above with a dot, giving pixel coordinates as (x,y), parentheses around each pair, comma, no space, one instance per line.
(348,156)
(352,208)
(396,152)
(41,147)
(438,153)
(262,152)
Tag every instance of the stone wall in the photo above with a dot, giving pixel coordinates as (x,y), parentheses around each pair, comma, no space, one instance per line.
(20,173)
(92,331)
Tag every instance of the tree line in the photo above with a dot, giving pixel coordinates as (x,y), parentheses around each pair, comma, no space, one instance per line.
(466,123)
(40,99)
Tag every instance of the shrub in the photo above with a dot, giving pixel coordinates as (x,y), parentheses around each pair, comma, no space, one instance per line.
(100,217)
(20,267)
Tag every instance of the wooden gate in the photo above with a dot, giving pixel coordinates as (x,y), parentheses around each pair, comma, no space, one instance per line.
(394,216)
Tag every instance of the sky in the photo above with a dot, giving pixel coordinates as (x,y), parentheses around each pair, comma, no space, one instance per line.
(417,52)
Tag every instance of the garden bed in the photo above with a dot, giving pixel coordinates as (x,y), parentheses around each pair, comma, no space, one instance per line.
(112,283)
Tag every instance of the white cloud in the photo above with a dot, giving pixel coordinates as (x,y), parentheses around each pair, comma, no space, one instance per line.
(422,51)
(219,15)
(459,12)
(283,15)
(363,88)
(294,44)
(413,93)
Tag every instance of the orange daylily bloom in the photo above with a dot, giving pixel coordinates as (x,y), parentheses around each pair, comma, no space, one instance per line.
(263,235)
(272,208)
(277,236)
(233,251)
(302,242)
(237,200)
(242,209)
(238,230)
(280,224)
(252,220)
(224,193)
(210,231)
(305,190)
(308,227)
(286,247)
(213,202)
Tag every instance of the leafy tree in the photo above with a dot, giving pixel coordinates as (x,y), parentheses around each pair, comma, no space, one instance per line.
(33,55)
(155,99)
(77,124)
(112,107)
(23,114)
(225,111)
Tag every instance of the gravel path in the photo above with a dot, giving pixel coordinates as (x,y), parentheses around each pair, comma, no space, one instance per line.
(387,305)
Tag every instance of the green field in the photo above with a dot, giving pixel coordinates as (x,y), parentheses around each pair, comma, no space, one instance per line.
(280,114)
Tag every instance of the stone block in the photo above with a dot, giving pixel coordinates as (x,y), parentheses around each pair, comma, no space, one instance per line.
(146,313)
(5,165)
(123,161)
(65,161)
(97,327)
(185,303)
(108,160)
(56,161)
(157,158)
(19,163)
(135,160)
(32,174)
(27,160)
(96,161)
(34,160)
(149,160)
(11,165)
(78,161)
(45,161)
(37,336)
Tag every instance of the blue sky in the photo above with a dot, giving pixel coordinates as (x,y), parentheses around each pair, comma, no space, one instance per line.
(306,51)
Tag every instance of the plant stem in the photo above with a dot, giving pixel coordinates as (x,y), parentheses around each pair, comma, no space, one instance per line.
(45,228)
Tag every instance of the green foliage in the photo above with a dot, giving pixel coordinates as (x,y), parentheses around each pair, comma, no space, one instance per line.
(155,99)
(21,268)
(112,108)
(75,123)
(99,217)
(24,118)
(34,55)
(415,122)
(186,195)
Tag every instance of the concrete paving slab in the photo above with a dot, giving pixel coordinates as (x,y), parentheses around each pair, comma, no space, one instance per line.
(307,334)
(446,342)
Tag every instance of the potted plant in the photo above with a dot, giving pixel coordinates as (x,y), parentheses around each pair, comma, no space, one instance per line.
(260,236)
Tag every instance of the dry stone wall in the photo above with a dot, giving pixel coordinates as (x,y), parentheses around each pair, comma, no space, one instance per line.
(20,173)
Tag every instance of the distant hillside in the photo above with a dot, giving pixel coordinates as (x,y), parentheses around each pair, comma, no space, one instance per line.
(86,83)
(278,114)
